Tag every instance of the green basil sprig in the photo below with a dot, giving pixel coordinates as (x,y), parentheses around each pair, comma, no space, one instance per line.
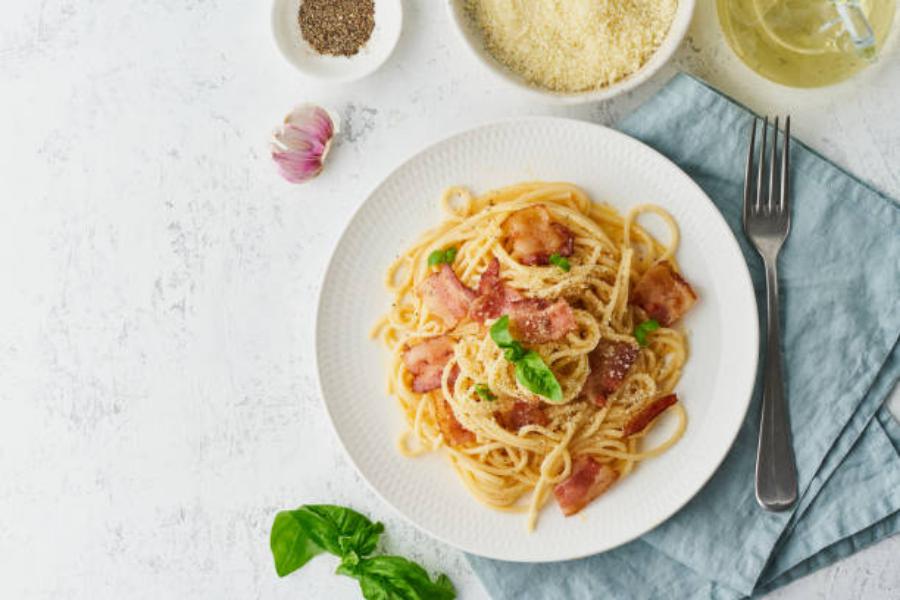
(560,261)
(442,256)
(641,331)
(389,577)
(485,392)
(299,535)
(531,370)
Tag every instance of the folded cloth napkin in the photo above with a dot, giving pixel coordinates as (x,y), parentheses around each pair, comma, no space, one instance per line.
(840,284)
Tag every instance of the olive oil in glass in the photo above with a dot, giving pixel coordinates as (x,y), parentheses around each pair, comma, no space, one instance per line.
(806,43)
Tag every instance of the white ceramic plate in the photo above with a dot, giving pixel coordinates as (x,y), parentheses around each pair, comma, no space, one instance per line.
(610,166)
(472,39)
(286,28)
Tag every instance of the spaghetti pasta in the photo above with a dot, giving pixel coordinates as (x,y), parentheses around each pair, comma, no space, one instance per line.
(516,467)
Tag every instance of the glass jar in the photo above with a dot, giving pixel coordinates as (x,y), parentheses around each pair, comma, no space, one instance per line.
(806,43)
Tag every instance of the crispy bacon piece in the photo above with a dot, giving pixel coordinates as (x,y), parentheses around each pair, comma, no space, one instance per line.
(451,428)
(532,320)
(663,293)
(588,480)
(610,363)
(532,236)
(521,414)
(493,296)
(490,282)
(537,321)
(426,362)
(454,375)
(446,296)
(639,422)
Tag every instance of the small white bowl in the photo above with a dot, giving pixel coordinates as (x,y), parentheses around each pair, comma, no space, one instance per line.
(472,39)
(286,27)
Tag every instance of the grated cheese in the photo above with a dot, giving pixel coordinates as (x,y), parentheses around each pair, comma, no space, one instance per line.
(572,45)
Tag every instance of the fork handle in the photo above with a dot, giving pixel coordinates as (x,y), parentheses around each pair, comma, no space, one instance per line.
(776,473)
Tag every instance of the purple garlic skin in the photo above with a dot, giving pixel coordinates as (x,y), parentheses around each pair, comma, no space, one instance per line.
(301,143)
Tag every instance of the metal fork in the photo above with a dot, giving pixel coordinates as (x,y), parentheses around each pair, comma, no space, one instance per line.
(767,221)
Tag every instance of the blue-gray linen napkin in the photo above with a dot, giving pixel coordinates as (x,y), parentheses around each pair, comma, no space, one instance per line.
(840,278)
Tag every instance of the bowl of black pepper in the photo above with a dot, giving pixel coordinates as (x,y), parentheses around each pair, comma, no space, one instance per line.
(337,40)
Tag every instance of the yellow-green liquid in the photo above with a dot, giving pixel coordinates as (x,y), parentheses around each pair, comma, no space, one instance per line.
(800,43)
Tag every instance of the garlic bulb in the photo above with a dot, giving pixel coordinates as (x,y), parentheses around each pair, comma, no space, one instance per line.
(300,145)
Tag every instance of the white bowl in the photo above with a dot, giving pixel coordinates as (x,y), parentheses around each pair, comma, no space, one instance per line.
(286,27)
(473,40)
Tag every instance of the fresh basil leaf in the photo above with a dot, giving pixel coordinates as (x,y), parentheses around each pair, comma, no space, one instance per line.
(534,374)
(561,262)
(500,332)
(485,392)
(442,256)
(641,331)
(299,535)
(450,256)
(514,352)
(345,529)
(291,546)
(503,338)
(396,578)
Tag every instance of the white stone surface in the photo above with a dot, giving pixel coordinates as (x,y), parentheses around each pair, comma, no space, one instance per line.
(158,401)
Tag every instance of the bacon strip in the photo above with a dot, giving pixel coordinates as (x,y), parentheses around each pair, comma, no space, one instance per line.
(610,363)
(588,480)
(426,362)
(532,236)
(521,414)
(532,320)
(490,282)
(493,296)
(452,429)
(446,296)
(537,321)
(663,293)
(454,375)
(639,422)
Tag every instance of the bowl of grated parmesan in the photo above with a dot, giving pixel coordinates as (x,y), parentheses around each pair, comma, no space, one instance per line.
(573,50)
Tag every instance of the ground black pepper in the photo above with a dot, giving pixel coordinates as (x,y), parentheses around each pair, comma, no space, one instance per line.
(338,27)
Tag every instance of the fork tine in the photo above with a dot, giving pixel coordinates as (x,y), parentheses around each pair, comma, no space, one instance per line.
(761,169)
(785,205)
(774,202)
(748,174)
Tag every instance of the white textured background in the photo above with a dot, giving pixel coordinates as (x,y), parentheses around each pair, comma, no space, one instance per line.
(157,396)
